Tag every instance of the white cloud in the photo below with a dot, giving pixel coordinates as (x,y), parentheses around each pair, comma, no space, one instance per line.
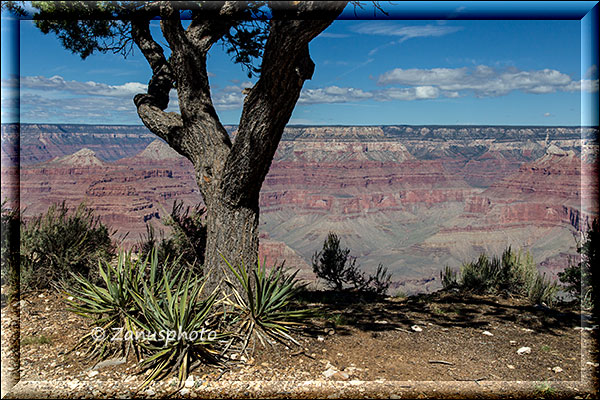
(58,83)
(486,81)
(404,32)
(333,94)
(547,114)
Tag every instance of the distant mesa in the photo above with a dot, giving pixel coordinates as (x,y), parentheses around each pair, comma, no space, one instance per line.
(159,150)
(554,150)
(83,158)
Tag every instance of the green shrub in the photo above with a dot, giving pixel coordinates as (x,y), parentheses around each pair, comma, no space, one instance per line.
(513,273)
(262,307)
(380,282)
(449,277)
(60,242)
(10,249)
(187,240)
(578,280)
(339,270)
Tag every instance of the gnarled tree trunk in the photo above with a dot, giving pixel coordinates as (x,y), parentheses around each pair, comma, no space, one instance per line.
(229,174)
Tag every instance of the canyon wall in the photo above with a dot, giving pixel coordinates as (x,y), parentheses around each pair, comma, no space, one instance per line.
(414,198)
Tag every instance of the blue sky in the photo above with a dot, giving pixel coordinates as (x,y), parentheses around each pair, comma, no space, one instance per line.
(368,72)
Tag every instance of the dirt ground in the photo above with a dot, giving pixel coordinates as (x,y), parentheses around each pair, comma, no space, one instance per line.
(439,345)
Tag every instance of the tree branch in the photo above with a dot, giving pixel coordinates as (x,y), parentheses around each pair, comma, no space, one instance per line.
(207,137)
(162,77)
(269,105)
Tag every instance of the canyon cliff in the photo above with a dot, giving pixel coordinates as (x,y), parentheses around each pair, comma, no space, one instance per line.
(414,198)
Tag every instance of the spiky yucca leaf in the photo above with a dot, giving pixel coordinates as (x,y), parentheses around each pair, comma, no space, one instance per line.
(178,315)
(110,306)
(262,307)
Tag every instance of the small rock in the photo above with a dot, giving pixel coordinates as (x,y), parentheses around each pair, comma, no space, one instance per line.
(340,376)
(524,350)
(487,333)
(91,374)
(557,369)
(416,328)
(509,366)
(265,364)
(593,364)
(110,363)
(184,392)
(41,295)
(382,322)
(70,298)
(320,338)
(513,342)
(189,382)
(150,392)
(328,373)
(526,330)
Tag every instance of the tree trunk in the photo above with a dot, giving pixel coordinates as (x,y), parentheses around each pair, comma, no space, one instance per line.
(229,175)
(232,234)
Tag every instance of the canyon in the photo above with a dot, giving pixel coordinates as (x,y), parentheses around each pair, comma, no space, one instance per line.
(414,198)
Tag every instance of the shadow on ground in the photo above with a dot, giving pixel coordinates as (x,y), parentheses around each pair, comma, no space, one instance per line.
(373,313)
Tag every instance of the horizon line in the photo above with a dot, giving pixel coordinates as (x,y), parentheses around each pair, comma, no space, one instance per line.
(325,125)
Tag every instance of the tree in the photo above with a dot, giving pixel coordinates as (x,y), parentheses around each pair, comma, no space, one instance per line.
(229,173)
(335,265)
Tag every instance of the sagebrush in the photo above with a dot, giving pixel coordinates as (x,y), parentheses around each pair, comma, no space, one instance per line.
(513,273)
(62,241)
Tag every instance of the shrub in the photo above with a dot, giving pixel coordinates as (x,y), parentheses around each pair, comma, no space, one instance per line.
(59,242)
(262,307)
(512,273)
(380,282)
(10,249)
(449,278)
(187,240)
(578,280)
(158,311)
(339,269)
(333,263)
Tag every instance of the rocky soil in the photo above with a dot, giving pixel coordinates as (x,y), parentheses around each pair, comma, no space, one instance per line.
(439,345)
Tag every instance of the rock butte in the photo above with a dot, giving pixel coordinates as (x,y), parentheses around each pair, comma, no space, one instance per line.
(414,198)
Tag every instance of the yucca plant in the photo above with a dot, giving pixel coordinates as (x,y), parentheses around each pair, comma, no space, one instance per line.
(177,315)
(262,304)
(111,306)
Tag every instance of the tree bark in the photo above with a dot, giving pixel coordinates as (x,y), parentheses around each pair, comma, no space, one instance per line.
(229,175)
(232,234)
